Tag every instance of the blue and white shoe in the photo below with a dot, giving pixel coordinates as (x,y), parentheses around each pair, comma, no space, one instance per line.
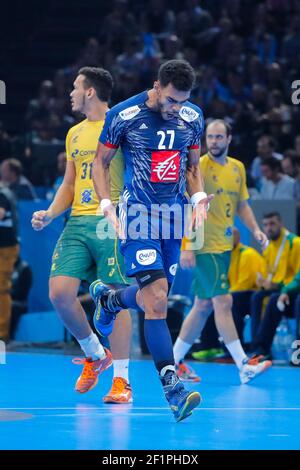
(181,401)
(103,317)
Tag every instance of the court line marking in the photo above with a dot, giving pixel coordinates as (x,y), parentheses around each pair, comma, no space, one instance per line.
(138,408)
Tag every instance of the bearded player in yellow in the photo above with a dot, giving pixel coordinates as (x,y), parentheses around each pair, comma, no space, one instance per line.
(225,178)
(80,254)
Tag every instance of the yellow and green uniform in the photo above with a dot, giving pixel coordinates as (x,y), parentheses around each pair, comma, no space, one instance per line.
(228,184)
(81,146)
(79,252)
(245,264)
(284,271)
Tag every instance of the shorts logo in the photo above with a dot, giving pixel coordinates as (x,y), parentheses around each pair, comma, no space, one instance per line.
(188,114)
(86,196)
(173,269)
(111,261)
(129,113)
(165,166)
(146,257)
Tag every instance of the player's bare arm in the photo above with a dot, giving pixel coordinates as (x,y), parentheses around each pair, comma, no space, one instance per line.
(101,180)
(246,214)
(62,201)
(195,189)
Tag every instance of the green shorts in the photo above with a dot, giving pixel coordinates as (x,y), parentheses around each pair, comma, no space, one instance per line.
(81,254)
(211,275)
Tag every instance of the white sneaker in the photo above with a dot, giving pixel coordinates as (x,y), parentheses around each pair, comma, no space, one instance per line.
(253,367)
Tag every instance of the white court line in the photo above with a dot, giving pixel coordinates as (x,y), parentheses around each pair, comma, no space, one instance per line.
(138,408)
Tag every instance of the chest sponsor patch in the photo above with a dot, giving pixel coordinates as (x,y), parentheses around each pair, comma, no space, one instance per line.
(86,196)
(165,166)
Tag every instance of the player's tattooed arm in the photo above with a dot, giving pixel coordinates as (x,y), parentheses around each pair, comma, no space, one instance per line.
(101,180)
(101,163)
(194,180)
(195,189)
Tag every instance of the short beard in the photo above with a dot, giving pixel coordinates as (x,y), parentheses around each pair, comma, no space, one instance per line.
(218,155)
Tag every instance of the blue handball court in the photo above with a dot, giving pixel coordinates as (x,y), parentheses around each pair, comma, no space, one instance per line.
(39,409)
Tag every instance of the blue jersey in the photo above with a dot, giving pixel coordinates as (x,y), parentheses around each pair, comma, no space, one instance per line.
(155,150)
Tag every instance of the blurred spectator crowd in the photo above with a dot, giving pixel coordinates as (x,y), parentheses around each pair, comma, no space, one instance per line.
(246,54)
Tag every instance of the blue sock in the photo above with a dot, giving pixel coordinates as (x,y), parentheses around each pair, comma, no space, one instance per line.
(159,342)
(126,298)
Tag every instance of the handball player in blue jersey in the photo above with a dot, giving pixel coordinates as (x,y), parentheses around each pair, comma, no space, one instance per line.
(159,132)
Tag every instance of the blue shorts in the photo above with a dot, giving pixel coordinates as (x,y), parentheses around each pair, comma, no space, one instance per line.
(148,247)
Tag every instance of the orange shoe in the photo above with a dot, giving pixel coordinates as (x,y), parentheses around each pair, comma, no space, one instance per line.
(186,373)
(120,392)
(91,370)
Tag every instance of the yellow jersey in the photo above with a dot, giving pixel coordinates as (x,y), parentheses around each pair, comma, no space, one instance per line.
(282,270)
(228,184)
(81,146)
(245,264)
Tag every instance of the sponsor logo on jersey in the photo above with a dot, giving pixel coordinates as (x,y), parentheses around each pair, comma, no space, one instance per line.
(129,113)
(146,257)
(111,261)
(165,166)
(82,153)
(228,232)
(180,124)
(173,269)
(188,114)
(86,196)
(143,126)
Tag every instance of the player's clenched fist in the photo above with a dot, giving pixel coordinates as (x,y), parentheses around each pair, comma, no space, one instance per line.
(40,219)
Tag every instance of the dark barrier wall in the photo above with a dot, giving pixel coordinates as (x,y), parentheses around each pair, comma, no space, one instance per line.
(37,247)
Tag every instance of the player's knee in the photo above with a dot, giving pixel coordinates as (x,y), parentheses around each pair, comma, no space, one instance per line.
(157,308)
(59,296)
(203,307)
(223,304)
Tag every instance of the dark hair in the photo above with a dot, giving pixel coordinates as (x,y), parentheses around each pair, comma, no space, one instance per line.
(296,160)
(14,165)
(269,215)
(271,140)
(226,124)
(177,72)
(272,163)
(99,79)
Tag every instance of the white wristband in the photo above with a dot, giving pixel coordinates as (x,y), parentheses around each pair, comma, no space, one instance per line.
(281,306)
(197,197)
(105,203)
